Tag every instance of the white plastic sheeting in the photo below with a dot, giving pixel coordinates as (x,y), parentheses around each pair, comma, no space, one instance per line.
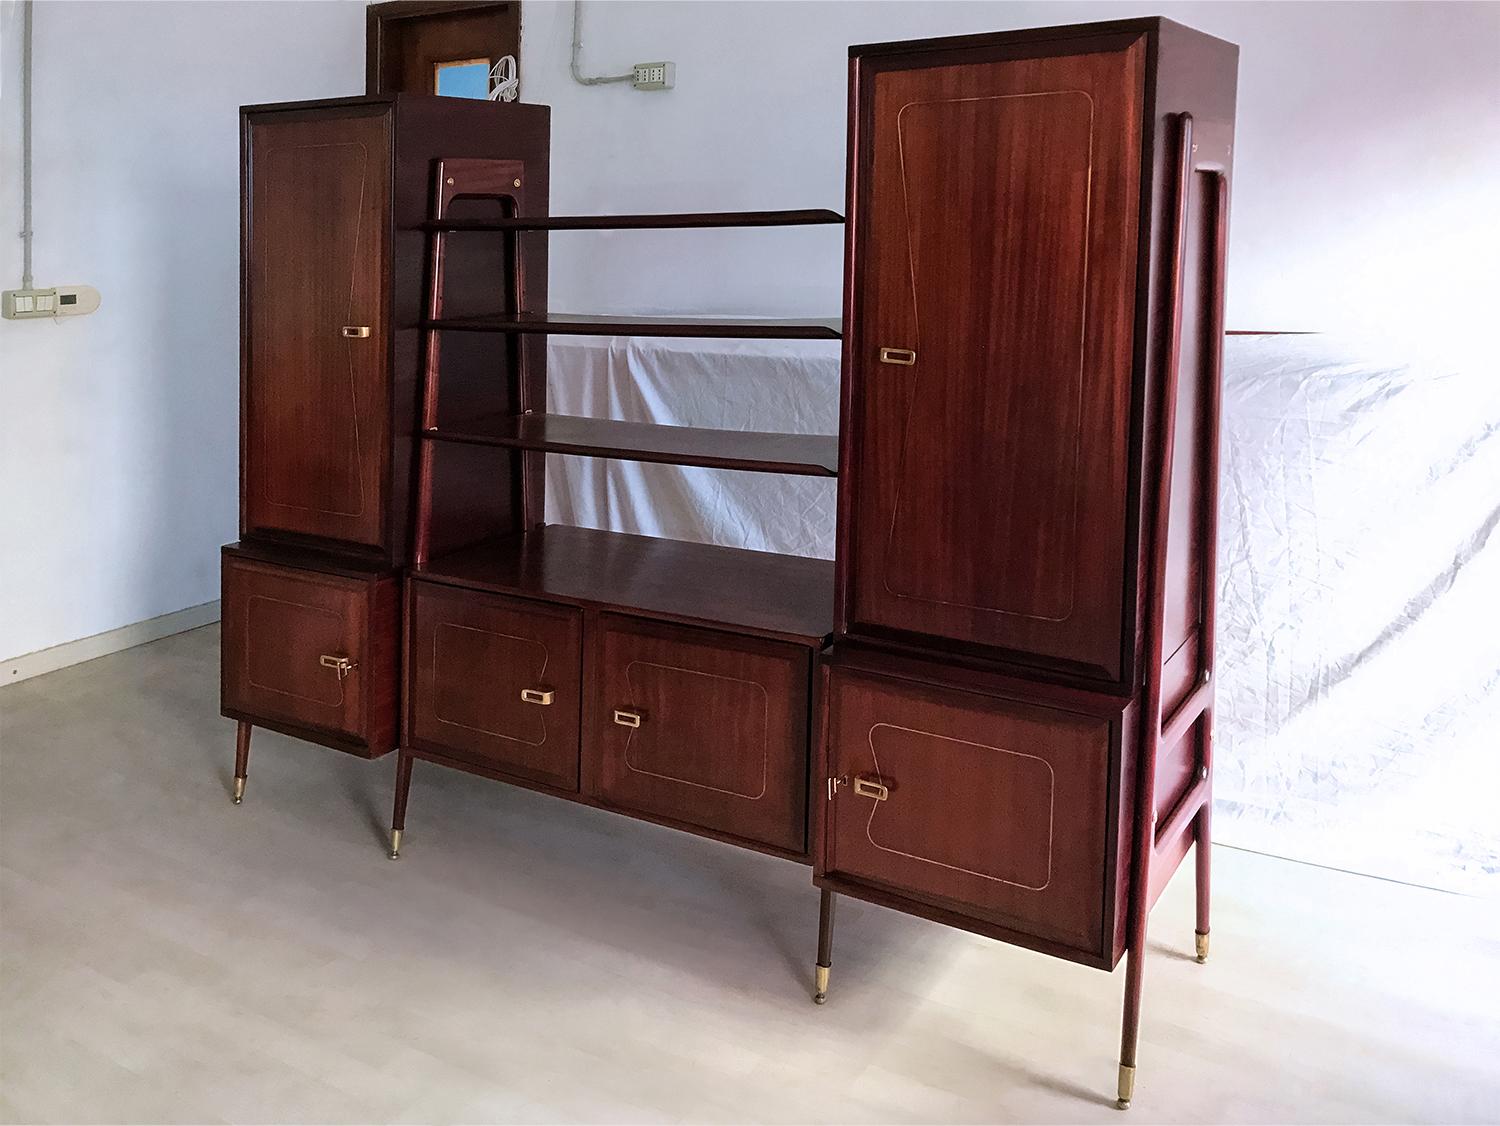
(1359,646)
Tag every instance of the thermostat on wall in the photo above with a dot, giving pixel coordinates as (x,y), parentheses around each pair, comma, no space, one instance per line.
(61,301)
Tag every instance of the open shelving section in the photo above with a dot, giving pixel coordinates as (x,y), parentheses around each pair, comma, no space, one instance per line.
(811,455)
(784,597)
(808,455)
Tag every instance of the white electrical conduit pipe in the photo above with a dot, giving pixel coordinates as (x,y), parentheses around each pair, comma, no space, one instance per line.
(578,75)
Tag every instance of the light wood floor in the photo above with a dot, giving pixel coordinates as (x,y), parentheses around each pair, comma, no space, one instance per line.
(167,957)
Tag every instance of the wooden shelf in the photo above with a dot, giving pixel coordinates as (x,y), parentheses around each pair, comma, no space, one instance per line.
(582,324)
(779,596)
(808,455)
(804,218)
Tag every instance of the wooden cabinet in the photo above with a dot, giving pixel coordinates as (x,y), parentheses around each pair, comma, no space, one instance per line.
(993,809)
(334,271)
(705,728)
(333,276)
(991,362)
(311,651)
(498,679)
(317,408)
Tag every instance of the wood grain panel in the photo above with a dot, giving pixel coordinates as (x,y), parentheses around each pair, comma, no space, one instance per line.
(472,658)
(721,739)
(994,810)
(998,245)
(278,626)
(317,406)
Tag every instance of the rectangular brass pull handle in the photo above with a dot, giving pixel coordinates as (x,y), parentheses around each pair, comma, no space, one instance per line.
(342,665)
(356,332)
(903,356)
(542,696)
(627,719)
(865,788)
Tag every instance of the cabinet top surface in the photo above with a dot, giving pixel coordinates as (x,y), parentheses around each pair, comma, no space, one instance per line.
(1143,25)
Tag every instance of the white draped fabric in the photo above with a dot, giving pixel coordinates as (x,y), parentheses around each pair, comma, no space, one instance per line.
(1359,647)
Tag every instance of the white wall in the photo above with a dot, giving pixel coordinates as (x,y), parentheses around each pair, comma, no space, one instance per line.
(118,431)
(1367,162)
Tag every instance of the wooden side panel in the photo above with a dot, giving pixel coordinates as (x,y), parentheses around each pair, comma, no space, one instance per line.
(705,728)
(996,811)
(285,631)
(991,360)
(316,427)
(497,679)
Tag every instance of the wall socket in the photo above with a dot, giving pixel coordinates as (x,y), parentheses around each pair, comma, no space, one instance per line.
(60,301)
(654,76)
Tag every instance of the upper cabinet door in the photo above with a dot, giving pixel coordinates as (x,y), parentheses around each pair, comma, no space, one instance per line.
(994,299)
(316,410)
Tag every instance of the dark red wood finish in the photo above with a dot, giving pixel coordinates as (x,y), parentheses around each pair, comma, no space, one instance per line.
(642,222)
(582,324)
(808,455)
(1000,270)
(781,597)
(332,194)
(703,727)
(498,679)
(1133,549)
(285,632)
(317,409)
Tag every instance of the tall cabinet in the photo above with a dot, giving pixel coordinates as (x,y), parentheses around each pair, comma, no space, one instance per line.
(1016,705)
(333,289)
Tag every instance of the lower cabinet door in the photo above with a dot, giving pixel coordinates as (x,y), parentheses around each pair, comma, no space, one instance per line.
(310,649)
(496,679)
(990,809)
(704,728)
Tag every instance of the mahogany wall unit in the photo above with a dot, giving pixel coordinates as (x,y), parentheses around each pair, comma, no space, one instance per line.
(994,708)
(334,279)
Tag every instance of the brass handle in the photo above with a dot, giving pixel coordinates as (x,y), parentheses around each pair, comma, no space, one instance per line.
(865,788)
(342,665)
(356,332)
(903,356)
(542,696)
(627,719)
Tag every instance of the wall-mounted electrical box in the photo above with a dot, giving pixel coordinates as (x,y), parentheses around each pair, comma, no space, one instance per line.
(654,76)
(60,301)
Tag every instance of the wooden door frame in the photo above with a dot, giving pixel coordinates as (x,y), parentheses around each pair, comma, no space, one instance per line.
(380,18)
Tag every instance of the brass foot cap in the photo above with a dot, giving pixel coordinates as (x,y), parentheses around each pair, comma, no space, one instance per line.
(1201,942)
(1126,1088)
(820,990)
(395,852)
(239,790)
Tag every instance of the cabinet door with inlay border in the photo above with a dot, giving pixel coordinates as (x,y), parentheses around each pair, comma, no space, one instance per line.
(310,649)
(496,680)
(987,808)
(316,397)
(705,728)
(991,357)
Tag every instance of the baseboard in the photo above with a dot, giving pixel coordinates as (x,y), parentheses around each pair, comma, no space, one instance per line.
(102,644)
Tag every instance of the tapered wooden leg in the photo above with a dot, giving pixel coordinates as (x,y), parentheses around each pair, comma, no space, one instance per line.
(241,760)
(825,948)
(398,812)
(1203,843)
(1203,850)
(1131,1026)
